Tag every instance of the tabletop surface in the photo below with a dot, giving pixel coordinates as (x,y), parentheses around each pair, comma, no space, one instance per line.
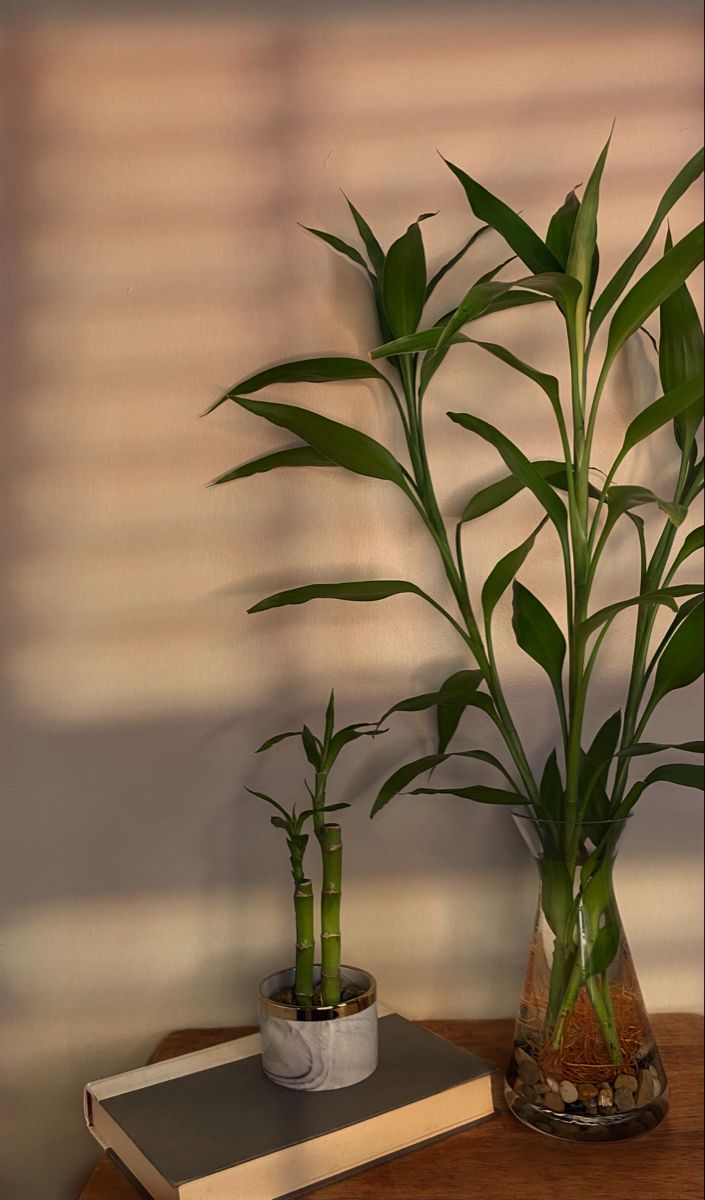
(501,1159)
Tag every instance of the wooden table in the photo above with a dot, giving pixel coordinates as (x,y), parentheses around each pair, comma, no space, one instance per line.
(501,1159)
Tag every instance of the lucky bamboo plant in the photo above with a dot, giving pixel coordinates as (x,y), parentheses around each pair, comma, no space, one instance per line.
(321,753)
(582,789)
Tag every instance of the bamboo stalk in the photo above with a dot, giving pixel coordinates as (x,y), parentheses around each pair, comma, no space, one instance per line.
(331,895)
(305,942)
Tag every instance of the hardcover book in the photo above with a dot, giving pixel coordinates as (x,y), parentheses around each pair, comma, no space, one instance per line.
(211,1126)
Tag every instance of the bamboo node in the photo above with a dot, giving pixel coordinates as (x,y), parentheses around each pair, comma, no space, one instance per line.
(331,936)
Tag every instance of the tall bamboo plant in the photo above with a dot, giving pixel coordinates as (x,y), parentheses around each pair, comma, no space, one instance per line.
(322,753)
(579,784)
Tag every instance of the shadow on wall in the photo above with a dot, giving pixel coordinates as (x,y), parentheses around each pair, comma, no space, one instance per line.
(154,174)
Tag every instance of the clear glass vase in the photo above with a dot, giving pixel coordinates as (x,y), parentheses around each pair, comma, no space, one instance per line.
(584,1064)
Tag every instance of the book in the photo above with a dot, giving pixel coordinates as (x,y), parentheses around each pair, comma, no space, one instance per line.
(211,1126)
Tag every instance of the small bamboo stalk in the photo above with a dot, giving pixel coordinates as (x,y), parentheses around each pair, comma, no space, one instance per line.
(305,943)
(331,895)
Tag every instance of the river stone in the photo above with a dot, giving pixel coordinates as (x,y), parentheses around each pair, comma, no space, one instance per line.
(522,1055)
(541,1088)
(553,1101)
(623,1099)
(529,1070)
(519,1085)
(657,1089)
(645,1089)
(569,1092)
(587,1091)
(626,1081)
(653,1071)
(553,1084)
(605,1097)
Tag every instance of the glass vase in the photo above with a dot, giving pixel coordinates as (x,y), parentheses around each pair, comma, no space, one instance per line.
(584,1063)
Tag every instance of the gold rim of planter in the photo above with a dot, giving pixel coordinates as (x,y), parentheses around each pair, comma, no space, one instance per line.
(321,1012)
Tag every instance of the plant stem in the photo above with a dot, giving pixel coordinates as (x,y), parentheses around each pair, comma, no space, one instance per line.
(305,942)
(331,894)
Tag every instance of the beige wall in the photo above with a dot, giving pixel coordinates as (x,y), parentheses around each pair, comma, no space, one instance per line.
(155,171)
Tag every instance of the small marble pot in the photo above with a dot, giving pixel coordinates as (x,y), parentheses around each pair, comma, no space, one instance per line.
(319,1049)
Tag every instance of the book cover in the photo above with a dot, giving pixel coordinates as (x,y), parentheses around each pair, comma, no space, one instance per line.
(211,1126)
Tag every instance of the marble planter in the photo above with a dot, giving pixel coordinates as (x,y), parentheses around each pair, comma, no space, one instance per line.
(319,1049)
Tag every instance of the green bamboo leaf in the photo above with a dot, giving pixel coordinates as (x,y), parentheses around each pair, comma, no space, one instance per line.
(520,466)
(404,280)
(474,303)
(351,733)
(692,544)
(681,661)
(642,748)
(665,596)
(667,408)
(279,737)
(338,244)
(683,774)
(374,250)
(538,635)
(269,800)
(581,258)
(596,767)
(504,572)
(564,289)
(329,720)
(415,343)
(655,286)
(403,776)
(367,590)
(681,354)
(551,789)
(340,443)
(451,708)
(312,747)
(295,456)
(619,281)
(458,690)
(515,231)
(452,262)
(621,498)
(306,370)
(510,300)
(560,228)
(499,493)
(280,823)
(603,949)
(482,795)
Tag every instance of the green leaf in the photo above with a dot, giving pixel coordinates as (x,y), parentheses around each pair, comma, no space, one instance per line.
(296,456)
(457,694)
(556,894)
(473,304)
(683,774)
(681,354)
(551,789)
(667,408)
(690,172)
(457,691)
(604,948)
(666,596)
(499,493)
(538,635)
(520,466)
(330,720)
(504,572)
(655,286)
(350,733)
(404,281)
(482,795)
(643,748)
(279,737)
(692,544)
(681,661)
(560,229)
(367,590)
(515,231)
(581,259)
(340,443)
(415,343)
(621,498)
(404,775)
(598,760)
(547,383)
(374,250)
(312,747)
(448,266)
(306,370)
(338,244)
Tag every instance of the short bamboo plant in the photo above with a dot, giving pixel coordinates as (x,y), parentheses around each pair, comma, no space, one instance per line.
(321,753)
(581,789)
